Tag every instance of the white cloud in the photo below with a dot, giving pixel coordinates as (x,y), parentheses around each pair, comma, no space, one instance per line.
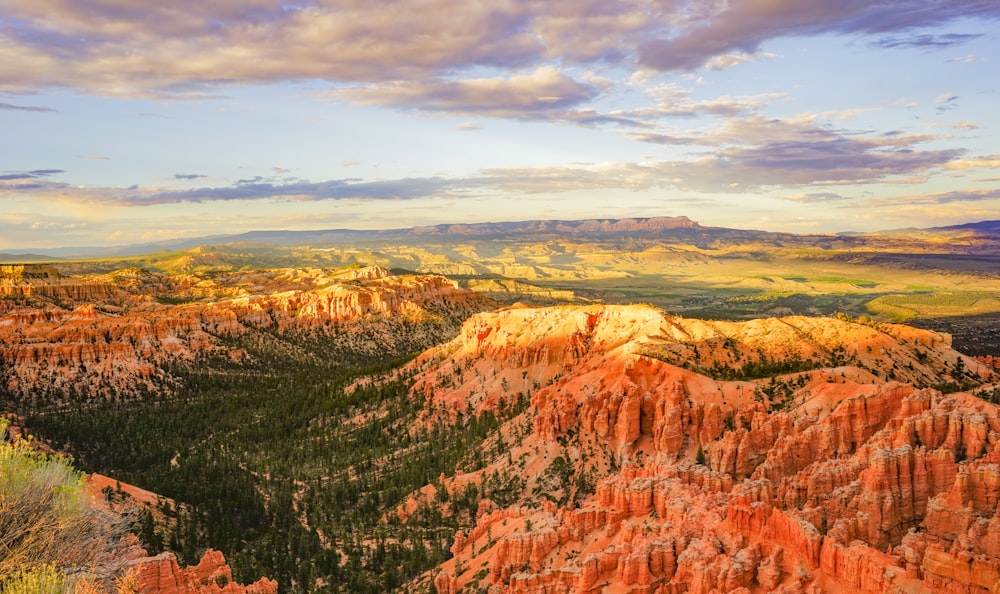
(131,48)
(537,94)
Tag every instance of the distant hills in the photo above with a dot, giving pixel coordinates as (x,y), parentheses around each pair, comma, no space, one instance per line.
(24,258)
(492,230)
(976,228)
(988,227)
(585,226)
(678,228)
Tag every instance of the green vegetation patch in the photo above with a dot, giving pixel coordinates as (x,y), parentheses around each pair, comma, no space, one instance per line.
(858,282)
(50,534)
(904,307)
(289,471)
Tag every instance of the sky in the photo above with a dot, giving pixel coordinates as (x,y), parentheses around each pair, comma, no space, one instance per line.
(128,121)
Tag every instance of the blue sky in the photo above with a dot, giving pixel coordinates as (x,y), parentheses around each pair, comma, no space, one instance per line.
(127,122)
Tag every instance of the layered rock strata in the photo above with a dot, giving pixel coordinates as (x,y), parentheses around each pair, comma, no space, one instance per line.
(112,348)
(162,575)
(833,473)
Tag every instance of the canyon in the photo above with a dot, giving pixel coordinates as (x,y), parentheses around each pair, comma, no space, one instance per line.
(365,429)
(102,336)
(840,480)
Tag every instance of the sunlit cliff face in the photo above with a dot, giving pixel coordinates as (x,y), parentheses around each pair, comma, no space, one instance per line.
(119,338)
(639,467)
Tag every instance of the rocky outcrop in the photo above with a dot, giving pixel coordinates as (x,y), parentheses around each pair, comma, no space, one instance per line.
(989,361)
(162,575)
(823,474)
(120,340)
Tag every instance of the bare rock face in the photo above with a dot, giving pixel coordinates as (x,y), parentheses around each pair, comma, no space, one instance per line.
(989,360)
(162,575)
(787,455)
(110,335)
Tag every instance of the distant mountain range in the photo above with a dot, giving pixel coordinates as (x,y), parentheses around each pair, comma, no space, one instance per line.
(26,257)
(986,227)
(604,227)
(669,227)
(977,228)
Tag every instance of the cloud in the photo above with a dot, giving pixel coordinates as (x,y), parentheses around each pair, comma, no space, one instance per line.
(257,188)
(799,164)
(20,230)
(965,125)
(840,160)
(847,114)
(27,108)
(21,182)
(94,158)
(468,126)
(759,130)
(744,154)
(904,102)
(660,138)
(704,31)
(672,100)
(534,95)
(925,40)
(946,102)
(189,176)
(784,154)
(955,196)
(987,162)
(539,180)
(815,197)
(406,188)
(136,49)
(729,60)
(759,152)
(34,174)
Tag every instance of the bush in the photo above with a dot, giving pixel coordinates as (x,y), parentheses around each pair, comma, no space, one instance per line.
(44,579)
(51,531)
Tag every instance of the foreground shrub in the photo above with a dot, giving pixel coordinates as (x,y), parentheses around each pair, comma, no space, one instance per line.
(44,579)
(52,532)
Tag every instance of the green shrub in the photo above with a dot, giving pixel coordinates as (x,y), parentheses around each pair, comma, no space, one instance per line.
(44,579)
(51,533)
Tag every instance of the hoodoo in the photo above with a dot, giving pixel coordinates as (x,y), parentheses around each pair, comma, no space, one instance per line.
(659,454)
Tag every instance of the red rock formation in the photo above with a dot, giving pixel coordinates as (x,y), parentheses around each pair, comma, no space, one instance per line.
(857,484)
(122,338)
(162,575)
(989,361)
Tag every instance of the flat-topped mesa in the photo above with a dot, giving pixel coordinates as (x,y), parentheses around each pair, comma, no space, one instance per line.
(815,467)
